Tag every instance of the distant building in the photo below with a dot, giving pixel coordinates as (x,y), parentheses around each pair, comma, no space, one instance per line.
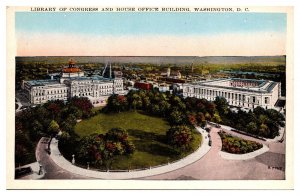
(169,72)
(246,93)
(73,83)
(143,85)
(174,80)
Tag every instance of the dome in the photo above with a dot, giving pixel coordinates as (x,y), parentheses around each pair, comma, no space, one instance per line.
(72,62)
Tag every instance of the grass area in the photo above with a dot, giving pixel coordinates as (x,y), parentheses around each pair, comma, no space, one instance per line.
(101,123)
(96,109)
(236,145)
(147,134)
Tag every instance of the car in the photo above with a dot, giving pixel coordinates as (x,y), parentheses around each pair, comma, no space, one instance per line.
(209,142)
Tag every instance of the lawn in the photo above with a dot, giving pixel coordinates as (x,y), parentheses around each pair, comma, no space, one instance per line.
(147,134)
(101,123)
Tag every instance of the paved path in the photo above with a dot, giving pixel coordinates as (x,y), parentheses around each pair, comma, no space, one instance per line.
(250,155)
(213,167)
(66,165)
(35,172)
(52,170)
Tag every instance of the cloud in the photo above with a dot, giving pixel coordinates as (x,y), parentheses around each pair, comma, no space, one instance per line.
(225,44)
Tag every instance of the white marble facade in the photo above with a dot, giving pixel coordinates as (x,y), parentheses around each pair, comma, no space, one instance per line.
(98,87)
(238,92)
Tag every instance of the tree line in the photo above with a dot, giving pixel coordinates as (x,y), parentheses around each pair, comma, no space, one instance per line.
(46,121)
(192,111)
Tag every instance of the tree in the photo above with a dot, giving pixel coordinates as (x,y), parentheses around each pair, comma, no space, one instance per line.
(83,104)
(146,103)
(262,119)
(276,117)
(216,118)
(201,119)
(122,102)
(211,108)
(192,119)
(74,111)
(54,109)
(155,109)
(179,136)
(117,134)
(191,103)
(36,131)
(53,128)
(91,148)
(207,116)
(200,107)
(251,128)
(221,105)
(264,130)
(101,149)
(117,103)
(259,110)
(120,138)
(176,117)
(164,107)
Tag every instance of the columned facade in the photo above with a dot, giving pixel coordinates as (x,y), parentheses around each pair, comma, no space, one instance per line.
(258,93)
(72,83)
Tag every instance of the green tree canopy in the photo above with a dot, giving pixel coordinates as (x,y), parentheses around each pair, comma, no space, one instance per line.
(53,128)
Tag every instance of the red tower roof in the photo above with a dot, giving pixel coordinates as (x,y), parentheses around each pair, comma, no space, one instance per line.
(71,70)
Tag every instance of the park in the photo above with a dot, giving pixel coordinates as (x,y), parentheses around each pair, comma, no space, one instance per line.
(146,133)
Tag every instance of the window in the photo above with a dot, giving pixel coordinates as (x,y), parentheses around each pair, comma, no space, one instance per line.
(266,100)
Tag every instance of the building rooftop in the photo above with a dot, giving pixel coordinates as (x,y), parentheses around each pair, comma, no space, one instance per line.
(258,86)
(42,82)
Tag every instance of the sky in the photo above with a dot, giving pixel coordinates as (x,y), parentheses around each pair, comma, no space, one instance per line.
(150,34)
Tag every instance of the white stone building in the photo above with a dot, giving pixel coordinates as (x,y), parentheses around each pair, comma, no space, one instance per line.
(245,93)
(73,83)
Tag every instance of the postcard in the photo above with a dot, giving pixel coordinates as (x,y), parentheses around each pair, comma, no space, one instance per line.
(150,97)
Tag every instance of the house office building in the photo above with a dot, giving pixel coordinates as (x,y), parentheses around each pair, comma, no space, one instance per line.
(245,93)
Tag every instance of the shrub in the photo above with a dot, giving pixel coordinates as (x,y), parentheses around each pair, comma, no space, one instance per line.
(237,145)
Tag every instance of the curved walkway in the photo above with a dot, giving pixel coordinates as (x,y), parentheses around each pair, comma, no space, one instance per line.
(214,167)
(276,139)
(251,155)
(267,166)
(66,165)
(52,170)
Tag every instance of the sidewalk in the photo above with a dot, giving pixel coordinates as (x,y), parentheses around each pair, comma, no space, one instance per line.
(229,156)
(276,139)
(35,172)
(195,156)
